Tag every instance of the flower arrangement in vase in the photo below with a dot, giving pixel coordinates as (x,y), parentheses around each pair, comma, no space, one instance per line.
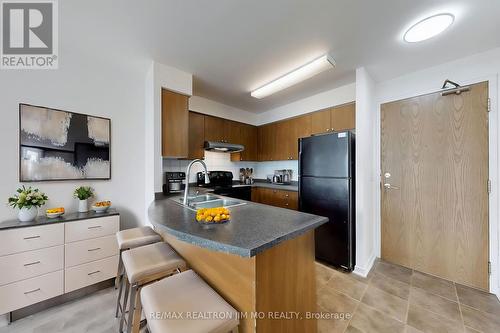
(83,193)
(27,199)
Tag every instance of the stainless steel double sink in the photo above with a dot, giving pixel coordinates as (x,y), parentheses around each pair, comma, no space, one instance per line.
(207,201)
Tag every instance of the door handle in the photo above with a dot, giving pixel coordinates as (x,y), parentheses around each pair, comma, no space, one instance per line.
(388,186)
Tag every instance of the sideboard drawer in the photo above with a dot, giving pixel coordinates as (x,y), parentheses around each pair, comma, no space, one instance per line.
(25,265)
(85,251)
(87,274)
(30,238)
(23,293)
(92,228)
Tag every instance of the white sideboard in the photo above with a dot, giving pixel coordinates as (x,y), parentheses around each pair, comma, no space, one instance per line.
(43,261)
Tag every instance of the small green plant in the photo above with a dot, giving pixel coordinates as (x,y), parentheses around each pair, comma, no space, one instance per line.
(27,197)
(83,192)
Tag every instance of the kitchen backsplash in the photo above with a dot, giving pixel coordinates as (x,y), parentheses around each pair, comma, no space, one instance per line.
(222,161)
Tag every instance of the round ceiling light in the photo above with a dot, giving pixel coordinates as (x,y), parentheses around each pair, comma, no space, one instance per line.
(428,28)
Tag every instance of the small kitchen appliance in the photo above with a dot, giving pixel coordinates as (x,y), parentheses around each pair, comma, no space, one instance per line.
(174,182)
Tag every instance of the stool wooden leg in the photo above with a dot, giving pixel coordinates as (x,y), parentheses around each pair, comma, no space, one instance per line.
(125,299)
(136,320)
(131,310)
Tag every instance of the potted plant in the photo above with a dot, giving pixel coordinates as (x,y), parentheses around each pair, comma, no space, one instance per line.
(83,193)
(28,200)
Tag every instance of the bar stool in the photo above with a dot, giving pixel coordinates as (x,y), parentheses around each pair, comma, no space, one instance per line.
(131,238)
(183,293)
(143,265)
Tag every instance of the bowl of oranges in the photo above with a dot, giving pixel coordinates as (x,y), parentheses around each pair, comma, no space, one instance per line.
(54,212)
(101,206)
(217,215)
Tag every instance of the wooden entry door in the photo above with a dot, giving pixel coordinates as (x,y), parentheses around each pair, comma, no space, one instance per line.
(434,155)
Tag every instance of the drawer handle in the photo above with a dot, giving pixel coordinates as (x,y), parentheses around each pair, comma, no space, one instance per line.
(31,263)
(97,248)
(94,227)
(92,273)
(32,237)
(32,291)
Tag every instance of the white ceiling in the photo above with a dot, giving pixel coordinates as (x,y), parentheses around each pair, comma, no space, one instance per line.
(235,46)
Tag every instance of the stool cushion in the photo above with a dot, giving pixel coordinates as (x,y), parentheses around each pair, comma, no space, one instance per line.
(149,260)
(186,294)
(135,237)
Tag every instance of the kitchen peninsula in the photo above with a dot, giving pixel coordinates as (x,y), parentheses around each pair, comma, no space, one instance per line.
(262,261)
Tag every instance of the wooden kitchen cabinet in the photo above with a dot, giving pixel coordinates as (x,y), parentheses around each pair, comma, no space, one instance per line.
(232,132)
(214,129)
(249,139)
(299,127)
(196,135)
(343,117)
(321,121)
(267,142)
(175,123)
(339,118)
(276,197)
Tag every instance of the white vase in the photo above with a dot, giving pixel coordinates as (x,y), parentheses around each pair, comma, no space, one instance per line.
(83,206)
(27,214)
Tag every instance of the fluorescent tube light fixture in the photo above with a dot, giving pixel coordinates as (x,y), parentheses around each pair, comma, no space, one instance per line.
(300,74)
(429,27)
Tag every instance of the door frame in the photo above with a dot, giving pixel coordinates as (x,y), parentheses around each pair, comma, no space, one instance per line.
(493,170)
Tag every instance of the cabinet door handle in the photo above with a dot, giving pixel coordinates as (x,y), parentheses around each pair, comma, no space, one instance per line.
(32,237)
(95,227)
(31,291)
(97,248)
(286,195)
(32,263)
(92,273)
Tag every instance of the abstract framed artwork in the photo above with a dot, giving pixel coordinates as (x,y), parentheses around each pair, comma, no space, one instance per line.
(61,145)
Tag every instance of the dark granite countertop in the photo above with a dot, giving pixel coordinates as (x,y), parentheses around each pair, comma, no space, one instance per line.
(67,217)
(253,227)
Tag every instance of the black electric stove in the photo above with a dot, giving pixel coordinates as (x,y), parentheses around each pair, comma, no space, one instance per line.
(222,183)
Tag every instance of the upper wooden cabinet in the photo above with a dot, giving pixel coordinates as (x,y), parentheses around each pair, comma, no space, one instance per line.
(196,135)
(279,141)
(175,118)
(339,118)
(344,117)
(232,132)
(300,127)
(249,139)
(321,121)
(214,129)
(267,142)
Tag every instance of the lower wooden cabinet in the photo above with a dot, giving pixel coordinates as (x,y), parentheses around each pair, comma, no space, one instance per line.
(276,197)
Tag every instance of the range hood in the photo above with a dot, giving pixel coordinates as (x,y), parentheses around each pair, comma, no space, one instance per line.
(223,147)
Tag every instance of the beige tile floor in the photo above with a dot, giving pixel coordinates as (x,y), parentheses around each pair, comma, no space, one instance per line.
(390,299)
(397,299)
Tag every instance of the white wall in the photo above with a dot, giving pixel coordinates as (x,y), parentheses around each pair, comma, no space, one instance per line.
(158,76)
(86,84)
(212,108)
(476,68)
(365,180)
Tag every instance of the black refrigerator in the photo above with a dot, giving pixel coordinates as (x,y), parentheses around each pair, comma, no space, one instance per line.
(326,188)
